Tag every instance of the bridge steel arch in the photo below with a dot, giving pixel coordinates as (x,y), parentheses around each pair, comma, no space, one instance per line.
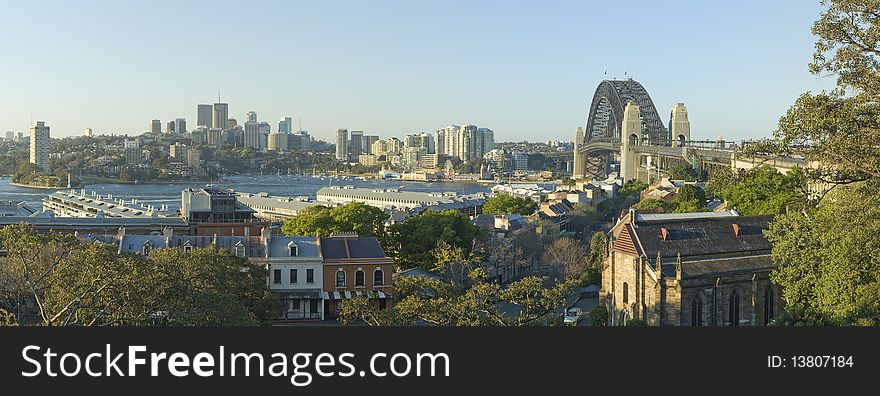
(606,112)
(595,146)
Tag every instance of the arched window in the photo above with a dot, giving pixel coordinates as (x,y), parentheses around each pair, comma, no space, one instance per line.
(378,277)
(291,249)
(359,277)
(147,248)
(769,305)
(697,311)
(733,309)
(625,293)
(340,278)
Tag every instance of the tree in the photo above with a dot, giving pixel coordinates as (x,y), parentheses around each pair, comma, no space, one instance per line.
(532,301)
(719,179)
(58,280)
(7,318)
(689,199)
(632,187)
(649,204)
(567,256)
(323,220)
(599,316)
(764,190)
(412,241)
(829,258)
(582,216)
(598,246)
(508,204)
(826,249)
(683,172)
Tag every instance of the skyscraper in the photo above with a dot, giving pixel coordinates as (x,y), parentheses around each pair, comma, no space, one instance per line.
(87,132)
(356,145)
(342,144)
(467,142)
(368,143)
(169,128)
(156,127)
(10,135)
(40,145)
(265,129)
(285,125)
(204,116)
(180,125)
(221,116)
(252,133)
(252,116)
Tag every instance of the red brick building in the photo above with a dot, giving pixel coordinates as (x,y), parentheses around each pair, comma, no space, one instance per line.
(354,266)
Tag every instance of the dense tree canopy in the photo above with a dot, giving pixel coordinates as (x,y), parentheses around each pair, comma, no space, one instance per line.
(412,241)
(56,280)
(355,216)
(508,204)
(762,190)
(826,250)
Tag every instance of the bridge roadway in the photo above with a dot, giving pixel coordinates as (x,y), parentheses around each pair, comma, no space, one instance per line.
(719,153)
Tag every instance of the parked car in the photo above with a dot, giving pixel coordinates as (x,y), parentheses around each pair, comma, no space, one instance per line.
(573,316)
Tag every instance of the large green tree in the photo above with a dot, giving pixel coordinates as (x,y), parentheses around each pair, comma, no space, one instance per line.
(412,242)
(764,190)
(58,280)
(828,263)
(364,219)
(508,204)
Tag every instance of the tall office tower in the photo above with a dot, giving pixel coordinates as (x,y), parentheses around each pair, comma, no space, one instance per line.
(87,132)
(156,127)
(215,137)
(279,141)
(679,126)
(368,143)
(20,136)
(285,125)
(234,136)
(231,123)
(265,130)
(204,116)
(252,134)
(252,116)
(356,145)
(10,136)
(199,135)
(299,141)
(169,128)
(220,116)
(40,145)
(342,144)
(180,125)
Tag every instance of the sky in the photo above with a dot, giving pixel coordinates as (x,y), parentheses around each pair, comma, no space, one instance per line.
(525,69)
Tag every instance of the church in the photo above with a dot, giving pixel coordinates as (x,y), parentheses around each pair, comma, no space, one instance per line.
(689,269)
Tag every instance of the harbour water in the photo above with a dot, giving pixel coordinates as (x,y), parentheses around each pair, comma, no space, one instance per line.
(283,186)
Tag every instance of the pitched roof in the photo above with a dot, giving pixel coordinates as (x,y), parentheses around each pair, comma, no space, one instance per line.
(694,237)
(351,248)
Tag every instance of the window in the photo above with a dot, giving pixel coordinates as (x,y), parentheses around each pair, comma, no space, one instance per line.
(293,276)
(733,309)
(310,276)
(276,276)
(769,305)
(291,249)
(697,312)
(147,248)
(378,277)
(187,248)
(359,277)
(239,250)
(340,278)
(313,306)
(625,293)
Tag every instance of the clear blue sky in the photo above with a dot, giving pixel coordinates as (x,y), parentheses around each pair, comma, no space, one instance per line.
(527,70)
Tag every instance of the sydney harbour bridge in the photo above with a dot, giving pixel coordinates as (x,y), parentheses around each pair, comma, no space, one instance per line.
(624,126)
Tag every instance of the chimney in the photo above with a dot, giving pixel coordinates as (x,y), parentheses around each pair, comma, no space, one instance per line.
(167,232)
(121,232)
(664,233)
(737,230)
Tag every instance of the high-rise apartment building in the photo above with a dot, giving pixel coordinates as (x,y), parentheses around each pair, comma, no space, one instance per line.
(199,135)
(10,135)
(40,145)
(204,116)
(342,144)
(156,127)
(252,116)
(368,143)
(87,132)
(220,116)
(467,142)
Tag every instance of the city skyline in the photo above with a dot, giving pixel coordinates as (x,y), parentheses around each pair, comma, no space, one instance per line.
(528,72)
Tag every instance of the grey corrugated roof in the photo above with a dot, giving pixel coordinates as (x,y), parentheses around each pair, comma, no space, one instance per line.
(344,248)
(715,235)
